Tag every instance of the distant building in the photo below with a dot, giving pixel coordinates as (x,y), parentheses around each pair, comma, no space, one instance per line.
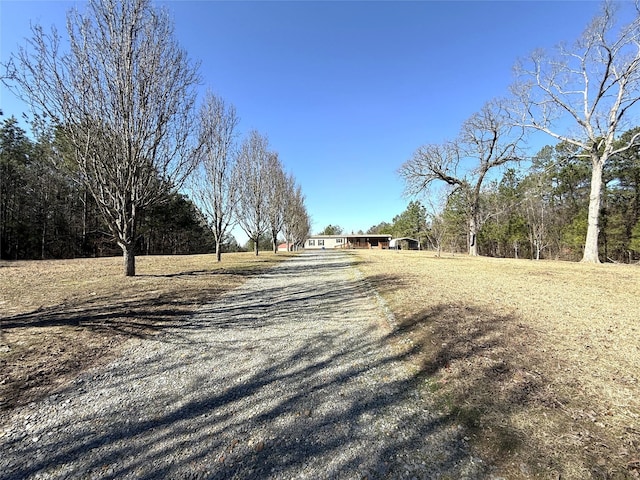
(331,242)
(404,243)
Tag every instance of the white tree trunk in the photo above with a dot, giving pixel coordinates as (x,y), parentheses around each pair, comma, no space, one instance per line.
(591,243)
(473,237)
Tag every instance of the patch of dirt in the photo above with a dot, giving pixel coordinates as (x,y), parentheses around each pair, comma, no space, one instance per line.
(37,361)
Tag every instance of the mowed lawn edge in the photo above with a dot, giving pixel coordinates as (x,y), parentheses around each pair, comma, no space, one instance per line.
(538,360)
(61,317)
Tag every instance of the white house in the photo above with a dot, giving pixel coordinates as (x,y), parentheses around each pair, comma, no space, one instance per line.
(330,242)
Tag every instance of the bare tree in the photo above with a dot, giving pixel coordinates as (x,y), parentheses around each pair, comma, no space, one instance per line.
(488,139)
(296,226)
(290,205)
(594,84)
(276,197)
(252,170)
(214,183)
(124,95)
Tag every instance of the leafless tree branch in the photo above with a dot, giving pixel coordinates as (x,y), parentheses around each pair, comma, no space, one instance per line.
(214,183)
(596,84)
(124,96)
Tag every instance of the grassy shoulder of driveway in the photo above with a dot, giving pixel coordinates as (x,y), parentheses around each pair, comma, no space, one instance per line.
(60,317)
(539,361)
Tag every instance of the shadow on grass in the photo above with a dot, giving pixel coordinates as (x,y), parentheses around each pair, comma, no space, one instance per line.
(50,345)
(147,312)
(478,365)
(484,371)
(82,333)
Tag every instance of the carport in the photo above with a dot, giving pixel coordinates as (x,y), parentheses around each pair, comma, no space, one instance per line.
(404,243)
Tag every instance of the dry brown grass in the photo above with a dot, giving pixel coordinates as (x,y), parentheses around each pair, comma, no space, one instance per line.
(539,360)
(60,317)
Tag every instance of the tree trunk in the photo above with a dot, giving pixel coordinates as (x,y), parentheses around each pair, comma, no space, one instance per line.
(591,243)
(84,220)
(129,258)
(256,245)
(2,215)
(218,251)
(473,240)
(43,239)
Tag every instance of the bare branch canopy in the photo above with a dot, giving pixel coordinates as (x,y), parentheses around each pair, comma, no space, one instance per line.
(594,85)
(123,94)
(488,139)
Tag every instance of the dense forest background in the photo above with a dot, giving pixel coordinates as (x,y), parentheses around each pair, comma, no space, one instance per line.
(536,210)
(47,212)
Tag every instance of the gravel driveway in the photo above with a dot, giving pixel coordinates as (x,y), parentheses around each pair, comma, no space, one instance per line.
(287,377)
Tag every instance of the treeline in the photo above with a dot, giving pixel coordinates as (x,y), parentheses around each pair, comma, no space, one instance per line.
(537,212)
(244,183)
(543,212)
(46,211)
(579,200)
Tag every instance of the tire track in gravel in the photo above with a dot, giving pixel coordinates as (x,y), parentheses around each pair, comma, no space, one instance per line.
(288,376)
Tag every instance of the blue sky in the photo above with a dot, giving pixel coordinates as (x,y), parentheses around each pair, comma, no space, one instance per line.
(346,91)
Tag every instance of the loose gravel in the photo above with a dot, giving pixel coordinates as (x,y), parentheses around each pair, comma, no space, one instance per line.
(287,377)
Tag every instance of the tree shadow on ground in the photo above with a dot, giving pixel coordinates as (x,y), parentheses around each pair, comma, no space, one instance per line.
(228,437)
(327,406)
(307,409)
(48,346)
(484,371)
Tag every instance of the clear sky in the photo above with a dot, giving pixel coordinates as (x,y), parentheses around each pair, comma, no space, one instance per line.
(346,91)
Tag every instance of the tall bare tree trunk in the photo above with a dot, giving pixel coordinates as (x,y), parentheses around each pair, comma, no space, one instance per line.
(218,250)
(591,243)
(473,236)
(126,235)
(274,239)
(129,258)
(84,220)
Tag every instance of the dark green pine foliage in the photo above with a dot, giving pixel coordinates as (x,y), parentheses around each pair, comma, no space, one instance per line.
(46,212)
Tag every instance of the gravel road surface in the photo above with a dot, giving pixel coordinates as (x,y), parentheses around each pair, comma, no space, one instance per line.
(287,377)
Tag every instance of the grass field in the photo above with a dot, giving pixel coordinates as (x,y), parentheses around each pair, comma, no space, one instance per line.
(540,361)
(60,317)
